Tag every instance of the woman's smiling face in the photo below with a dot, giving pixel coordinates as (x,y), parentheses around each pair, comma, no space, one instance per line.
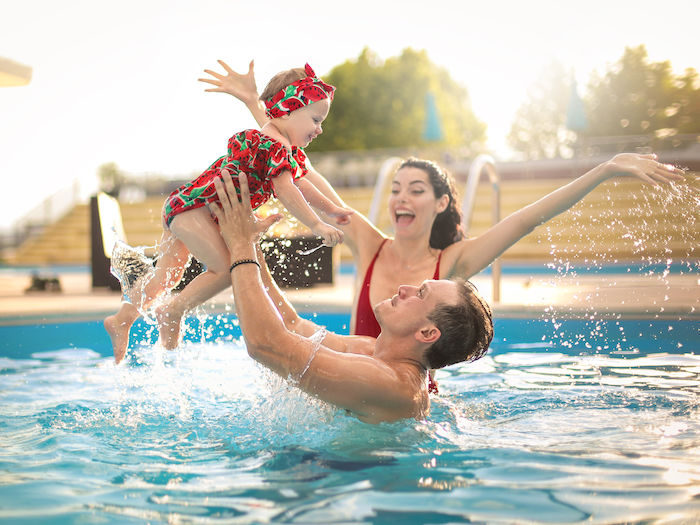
(412,203)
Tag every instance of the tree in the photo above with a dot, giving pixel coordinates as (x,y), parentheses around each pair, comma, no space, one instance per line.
(639,97)
(539,129)
(383,104)
(110,177)
(633,97)
(684,113)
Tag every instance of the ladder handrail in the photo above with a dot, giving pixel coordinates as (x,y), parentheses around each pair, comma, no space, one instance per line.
(478,165)
(386,169)
(475,169)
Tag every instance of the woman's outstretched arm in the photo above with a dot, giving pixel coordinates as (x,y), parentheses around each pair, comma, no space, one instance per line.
(470,256)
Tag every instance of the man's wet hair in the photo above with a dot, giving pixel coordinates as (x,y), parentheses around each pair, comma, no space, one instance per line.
(466,328)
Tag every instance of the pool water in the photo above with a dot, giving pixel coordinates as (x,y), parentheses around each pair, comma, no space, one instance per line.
(562,422)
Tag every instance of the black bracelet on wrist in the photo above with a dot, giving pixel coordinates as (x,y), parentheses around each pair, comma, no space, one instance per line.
(243,261)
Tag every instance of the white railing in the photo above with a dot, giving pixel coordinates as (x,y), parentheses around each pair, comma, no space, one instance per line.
(477,167)
(385,171)
(47,212)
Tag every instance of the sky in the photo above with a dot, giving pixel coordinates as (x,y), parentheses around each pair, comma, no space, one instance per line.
(117,81)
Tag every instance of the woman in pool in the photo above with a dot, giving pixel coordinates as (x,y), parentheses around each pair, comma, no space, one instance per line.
(428,242)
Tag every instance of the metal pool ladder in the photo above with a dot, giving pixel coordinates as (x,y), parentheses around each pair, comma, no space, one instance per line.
(387,169)
(477,166)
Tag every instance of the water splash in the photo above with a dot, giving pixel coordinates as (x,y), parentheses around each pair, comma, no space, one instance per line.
(657,227)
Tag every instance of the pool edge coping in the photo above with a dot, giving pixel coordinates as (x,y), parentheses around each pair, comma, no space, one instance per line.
(508,311)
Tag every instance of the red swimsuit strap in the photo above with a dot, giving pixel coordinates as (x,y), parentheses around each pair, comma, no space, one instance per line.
(374,259)
(432,385)
(436,276)
(365,321)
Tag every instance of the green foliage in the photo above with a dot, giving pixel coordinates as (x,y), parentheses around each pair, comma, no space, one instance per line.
(383,104)
(634,97)
(110,177)
(638,97)
(539,129)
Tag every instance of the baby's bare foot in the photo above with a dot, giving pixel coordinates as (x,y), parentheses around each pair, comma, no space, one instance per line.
(168,327)
(119,334)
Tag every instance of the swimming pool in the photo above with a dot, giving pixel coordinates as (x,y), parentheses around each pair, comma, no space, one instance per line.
(562,422)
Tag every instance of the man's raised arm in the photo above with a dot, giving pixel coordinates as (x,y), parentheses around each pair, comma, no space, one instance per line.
(360,383)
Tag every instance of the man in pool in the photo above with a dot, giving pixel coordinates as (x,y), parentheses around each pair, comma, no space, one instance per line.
(436,324)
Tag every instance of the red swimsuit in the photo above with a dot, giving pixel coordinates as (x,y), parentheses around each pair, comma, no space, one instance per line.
(365,321)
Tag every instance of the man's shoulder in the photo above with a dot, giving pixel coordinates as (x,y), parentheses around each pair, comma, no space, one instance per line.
(405,396)
(351,344)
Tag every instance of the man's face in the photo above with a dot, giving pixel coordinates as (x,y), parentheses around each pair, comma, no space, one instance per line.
(408,310)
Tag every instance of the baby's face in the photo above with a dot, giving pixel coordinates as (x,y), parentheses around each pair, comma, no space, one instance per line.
(304,124)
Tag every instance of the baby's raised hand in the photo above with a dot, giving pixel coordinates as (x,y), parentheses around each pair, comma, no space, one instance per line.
(331,236)
(241,86)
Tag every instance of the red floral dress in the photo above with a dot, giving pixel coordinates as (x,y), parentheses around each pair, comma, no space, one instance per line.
(260,157)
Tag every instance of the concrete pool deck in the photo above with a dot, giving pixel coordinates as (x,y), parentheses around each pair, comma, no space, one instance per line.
(674,296)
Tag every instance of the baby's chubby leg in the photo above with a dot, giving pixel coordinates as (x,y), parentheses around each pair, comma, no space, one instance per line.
(172,257)
(118,327)
(169,315)
(200,234)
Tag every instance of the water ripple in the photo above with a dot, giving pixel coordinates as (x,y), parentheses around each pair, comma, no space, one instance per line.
(528,434)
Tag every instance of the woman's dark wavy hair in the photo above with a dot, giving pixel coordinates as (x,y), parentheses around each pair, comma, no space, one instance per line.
(447,227)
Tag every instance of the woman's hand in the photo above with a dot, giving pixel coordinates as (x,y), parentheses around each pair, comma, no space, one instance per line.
(644,167)
(242,87)
(239,226)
